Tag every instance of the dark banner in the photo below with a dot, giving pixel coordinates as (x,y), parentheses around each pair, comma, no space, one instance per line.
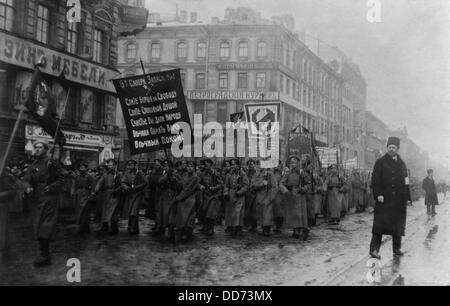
(299,144)
(151,104)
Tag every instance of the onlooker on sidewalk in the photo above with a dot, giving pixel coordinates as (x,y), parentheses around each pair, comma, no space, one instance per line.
(431,199)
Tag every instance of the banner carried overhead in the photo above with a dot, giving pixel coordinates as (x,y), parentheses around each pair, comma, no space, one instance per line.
(328,156)
(151,105)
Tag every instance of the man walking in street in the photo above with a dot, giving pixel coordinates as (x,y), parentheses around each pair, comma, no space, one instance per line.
(431,199)
(390,184)
(44,182)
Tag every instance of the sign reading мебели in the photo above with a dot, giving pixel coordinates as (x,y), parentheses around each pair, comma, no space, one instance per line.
(151,105)
(24,53)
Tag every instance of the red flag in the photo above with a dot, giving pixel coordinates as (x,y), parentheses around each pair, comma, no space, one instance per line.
(41,104)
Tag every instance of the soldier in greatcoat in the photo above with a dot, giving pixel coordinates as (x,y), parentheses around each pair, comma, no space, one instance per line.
(391,191)
(110,187)
(7,194)
(334,184)
(278,202)
(235,188)
(211,184)
(154,189)
(431,199)
(185,203)
(84,186)
(357,195)
(265,189)
(319,193)
(250,204)
(45,181)
(133,184)
(296,212)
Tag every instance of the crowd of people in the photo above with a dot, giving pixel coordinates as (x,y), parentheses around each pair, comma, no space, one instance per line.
(180,196)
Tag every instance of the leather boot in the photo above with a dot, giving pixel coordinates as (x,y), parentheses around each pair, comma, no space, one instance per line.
(44,257)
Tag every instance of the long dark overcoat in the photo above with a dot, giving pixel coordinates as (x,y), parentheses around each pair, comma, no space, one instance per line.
(430,192)
(390,180)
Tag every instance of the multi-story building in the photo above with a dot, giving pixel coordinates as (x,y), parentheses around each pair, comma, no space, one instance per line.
(34,29)
(239,60)
(352,134)
(377,135)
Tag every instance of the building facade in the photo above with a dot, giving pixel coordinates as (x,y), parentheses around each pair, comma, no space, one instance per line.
(242,59)
(86,51)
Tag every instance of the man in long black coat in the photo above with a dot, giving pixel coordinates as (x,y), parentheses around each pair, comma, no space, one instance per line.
(431,199)
(390,184)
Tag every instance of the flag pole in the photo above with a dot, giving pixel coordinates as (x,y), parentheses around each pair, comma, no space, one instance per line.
(63,112)
(16,124)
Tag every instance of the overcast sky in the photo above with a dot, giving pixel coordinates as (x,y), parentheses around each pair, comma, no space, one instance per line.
(404,59)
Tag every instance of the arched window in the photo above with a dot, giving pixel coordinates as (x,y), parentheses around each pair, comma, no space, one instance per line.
(262,49)
(243,49)
(224,49)
(131,51)
(155,51)
(201,49)
(182,50)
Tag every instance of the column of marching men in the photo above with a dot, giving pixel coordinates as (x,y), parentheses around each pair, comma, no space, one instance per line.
(182,197)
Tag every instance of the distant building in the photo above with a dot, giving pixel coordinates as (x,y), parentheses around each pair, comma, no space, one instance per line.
(238,60)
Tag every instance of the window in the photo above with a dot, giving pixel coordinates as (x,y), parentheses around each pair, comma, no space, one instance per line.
(200,81)
(288,86)
(261,80)
(72,37)
(242,80)
(98,46)
(182,50)
(98,111)
(6,14)
(224,49)
(262,49)
(199,108)
(155,51)
(43,24)
(243,49)
(223,80)
(201,49)
(131,51)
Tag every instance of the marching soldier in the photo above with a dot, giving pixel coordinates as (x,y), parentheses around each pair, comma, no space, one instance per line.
(431,199)
(98,199)
(169,185)
(390,185)
(133,184)
(235,188)
(110,185)
(307,192)
(84,184)
(250,205)
(344,191)
(296,214)
(7,194)
(358,189)
(154,189)
(334,185)
(264,186)
(185,203)
(319,192)
(211,184)
(278,207)
(45,181)
(225,170)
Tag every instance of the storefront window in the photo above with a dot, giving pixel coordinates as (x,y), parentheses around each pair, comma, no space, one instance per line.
(222,112)
(4,105)
(43,24)
(98,114)
(6,14)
